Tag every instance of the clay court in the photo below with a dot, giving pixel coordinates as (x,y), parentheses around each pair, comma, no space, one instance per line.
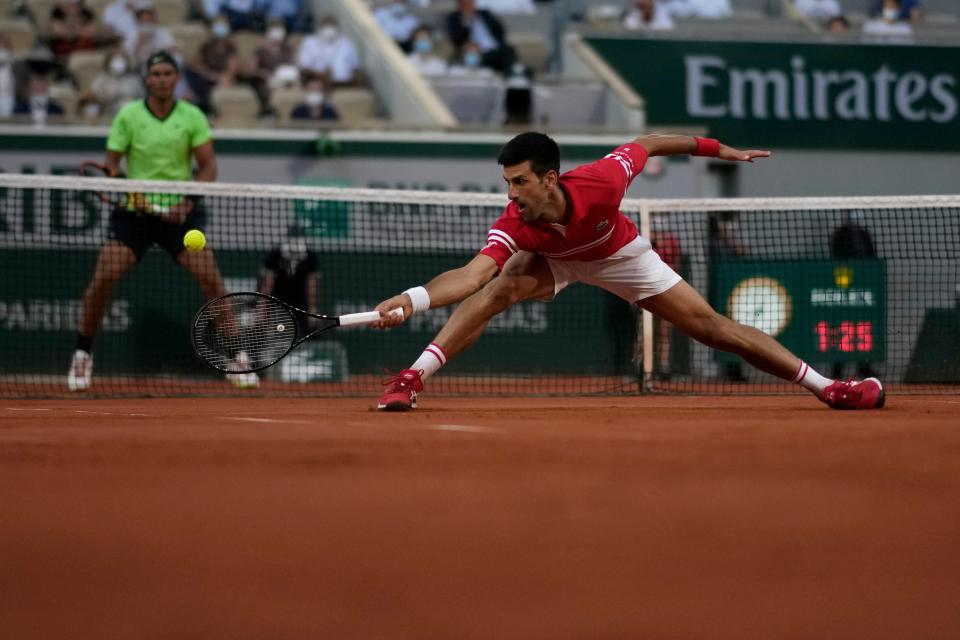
(680,517)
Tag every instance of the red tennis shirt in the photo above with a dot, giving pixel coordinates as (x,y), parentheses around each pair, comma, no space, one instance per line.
(596,229)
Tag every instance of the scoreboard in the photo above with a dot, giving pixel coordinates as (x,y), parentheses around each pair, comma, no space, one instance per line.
(822,310)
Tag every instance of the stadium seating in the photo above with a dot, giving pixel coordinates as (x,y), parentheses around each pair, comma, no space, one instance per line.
(85,66)
(235,106)
(20,33)
(532,49)
(189,37)
(246,43)
(170,12)
(283,101)
(355,105)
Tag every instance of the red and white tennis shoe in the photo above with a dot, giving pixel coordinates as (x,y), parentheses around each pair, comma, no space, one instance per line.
(855,394)
(401,391)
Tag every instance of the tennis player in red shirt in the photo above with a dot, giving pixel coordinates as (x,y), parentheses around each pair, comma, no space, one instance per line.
(560,229)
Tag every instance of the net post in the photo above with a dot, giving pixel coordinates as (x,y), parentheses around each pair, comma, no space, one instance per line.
(646,375)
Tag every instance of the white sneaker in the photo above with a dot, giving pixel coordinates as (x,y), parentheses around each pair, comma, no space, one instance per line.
(242,380)
(81,371)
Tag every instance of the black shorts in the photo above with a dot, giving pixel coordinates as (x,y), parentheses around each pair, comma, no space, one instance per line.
(140,232)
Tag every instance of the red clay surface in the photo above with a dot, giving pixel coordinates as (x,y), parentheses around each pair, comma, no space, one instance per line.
(718,517)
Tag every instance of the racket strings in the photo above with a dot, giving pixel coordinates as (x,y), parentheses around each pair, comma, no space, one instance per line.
(244,332)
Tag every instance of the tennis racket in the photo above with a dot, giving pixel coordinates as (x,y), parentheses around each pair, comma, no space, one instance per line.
(261,328)
(133,201)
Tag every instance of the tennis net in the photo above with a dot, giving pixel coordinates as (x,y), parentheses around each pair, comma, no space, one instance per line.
(854,286)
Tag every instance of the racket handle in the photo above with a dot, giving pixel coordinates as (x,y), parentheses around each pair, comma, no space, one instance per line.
(366,317)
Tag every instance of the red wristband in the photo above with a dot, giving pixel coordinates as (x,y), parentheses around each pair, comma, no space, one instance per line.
(707,147)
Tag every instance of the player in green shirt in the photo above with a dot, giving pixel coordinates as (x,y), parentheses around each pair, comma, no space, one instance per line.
(159,137)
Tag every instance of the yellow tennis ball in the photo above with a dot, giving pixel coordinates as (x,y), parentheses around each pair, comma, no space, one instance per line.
(194,240)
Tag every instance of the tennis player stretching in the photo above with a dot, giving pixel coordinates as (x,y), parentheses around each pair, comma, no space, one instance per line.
(560,229)
(159,137)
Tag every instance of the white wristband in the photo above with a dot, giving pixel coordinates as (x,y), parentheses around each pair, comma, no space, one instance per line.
(419,297)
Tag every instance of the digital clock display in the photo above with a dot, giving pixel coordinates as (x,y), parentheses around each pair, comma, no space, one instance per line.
(845,337)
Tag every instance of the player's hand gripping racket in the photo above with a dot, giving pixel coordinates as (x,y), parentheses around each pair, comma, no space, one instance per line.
(260,326)
(129,200)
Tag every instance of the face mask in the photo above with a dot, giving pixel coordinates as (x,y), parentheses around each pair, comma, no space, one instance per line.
(91,110)
(220,29)
(398,10)
(118,66)
(314,98)
(423,45)
(5,57)
(471,59)
(277,34)
(328,33)
(891,14)
(147,27)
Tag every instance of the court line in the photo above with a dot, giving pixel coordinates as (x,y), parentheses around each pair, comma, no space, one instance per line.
(464,428)
(261,420)
(25,409)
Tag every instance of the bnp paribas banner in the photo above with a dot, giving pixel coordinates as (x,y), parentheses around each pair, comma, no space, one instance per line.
(797,95)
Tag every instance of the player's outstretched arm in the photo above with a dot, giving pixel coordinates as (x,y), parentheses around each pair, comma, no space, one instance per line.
(447,288)
(673,145)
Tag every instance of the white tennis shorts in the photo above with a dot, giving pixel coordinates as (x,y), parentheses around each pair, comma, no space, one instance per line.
(633,273)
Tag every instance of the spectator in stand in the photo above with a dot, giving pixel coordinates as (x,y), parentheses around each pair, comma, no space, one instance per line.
(820,11)
(423,59)
(120,17)
(37,102)
(838,27)
(271,55)
(470,63)
(291,12)
(242,15)
(8,80)
(215,65)
(852,241)
(117,84)
(888,28)
(73,27)
(724,245)
(647,15)
(708,9)
(910,10)
(667,247)
(502,7)
(395,19)
(469,24)
(148,38)
(316,102)
(329,52)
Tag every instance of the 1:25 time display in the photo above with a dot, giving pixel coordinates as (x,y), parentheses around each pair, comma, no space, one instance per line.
(847,337)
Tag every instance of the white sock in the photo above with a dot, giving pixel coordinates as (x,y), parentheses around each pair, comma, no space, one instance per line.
(430,360)
(808,378)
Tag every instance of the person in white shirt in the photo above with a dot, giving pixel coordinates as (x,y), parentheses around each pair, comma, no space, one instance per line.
(148,38)
(395,19)
(647,15)
(120,17)
(422,57)
(8,84)
(709,9)
(820,10)
(888,28)
(329,52)
(501,7)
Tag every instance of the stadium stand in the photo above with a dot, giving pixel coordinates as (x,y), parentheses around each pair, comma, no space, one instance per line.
(84,67)
(20,33)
